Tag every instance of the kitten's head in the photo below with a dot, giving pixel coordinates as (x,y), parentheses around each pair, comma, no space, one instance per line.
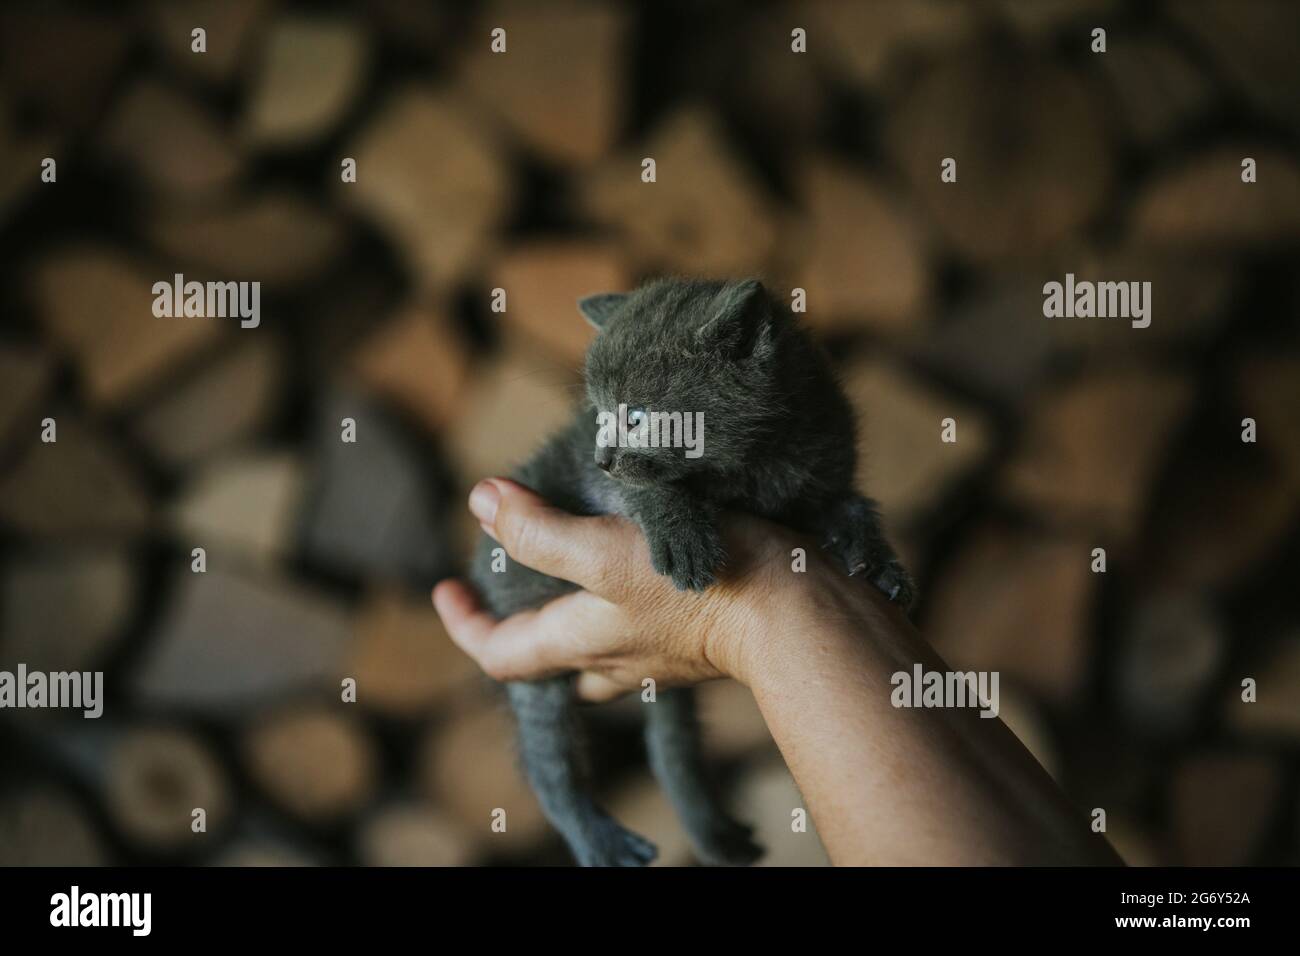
(675,354)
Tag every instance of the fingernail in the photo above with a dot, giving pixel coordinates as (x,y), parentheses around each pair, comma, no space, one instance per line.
(483,501)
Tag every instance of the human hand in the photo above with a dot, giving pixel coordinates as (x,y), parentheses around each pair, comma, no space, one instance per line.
(887,785)
(628,623)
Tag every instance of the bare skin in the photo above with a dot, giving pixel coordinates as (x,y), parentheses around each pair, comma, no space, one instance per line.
(885,785)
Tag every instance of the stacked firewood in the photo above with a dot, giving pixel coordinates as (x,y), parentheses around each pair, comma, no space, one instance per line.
(424,190)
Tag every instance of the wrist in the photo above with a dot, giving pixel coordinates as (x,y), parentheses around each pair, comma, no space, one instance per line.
(821,613)
(766,631)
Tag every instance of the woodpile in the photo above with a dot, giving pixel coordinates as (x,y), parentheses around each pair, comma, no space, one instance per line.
(155,783)
(239,525)
(315,762)
(1018,603)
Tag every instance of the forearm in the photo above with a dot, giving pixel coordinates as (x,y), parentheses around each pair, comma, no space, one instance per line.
(900,786)
(885,785)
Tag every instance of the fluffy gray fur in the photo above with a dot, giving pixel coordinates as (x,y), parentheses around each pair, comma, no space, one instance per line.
(780,442)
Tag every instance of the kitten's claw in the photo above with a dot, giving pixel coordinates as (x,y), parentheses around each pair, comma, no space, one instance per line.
(895,583)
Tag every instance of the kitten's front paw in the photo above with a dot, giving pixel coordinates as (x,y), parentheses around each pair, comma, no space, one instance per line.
(855,537)
(690,557)
(895,582)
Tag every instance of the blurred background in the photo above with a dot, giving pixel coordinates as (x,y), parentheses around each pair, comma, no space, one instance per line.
(521,171)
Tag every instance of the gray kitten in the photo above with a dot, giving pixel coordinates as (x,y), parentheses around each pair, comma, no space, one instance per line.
(780,443)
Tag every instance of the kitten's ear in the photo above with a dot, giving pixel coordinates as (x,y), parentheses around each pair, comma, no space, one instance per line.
(735,315)
(600,308)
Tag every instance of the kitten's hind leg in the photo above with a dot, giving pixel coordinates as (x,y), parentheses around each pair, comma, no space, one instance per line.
(555,759)
(673,743)
(853,532)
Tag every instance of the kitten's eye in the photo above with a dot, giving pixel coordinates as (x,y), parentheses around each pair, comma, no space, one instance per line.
(635,416)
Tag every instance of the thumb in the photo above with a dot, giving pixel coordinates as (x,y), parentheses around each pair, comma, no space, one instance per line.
(592,552)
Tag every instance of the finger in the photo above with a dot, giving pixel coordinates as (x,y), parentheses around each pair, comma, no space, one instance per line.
(467,623)
(592,552)
(501,653)
(597,688)
(529,645)
(562,636)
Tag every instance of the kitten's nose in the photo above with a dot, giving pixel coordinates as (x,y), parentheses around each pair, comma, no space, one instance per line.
(604,458)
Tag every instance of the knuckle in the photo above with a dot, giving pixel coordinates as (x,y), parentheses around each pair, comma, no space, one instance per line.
(518,535)
(496,667)
(611,577)
(613,567)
